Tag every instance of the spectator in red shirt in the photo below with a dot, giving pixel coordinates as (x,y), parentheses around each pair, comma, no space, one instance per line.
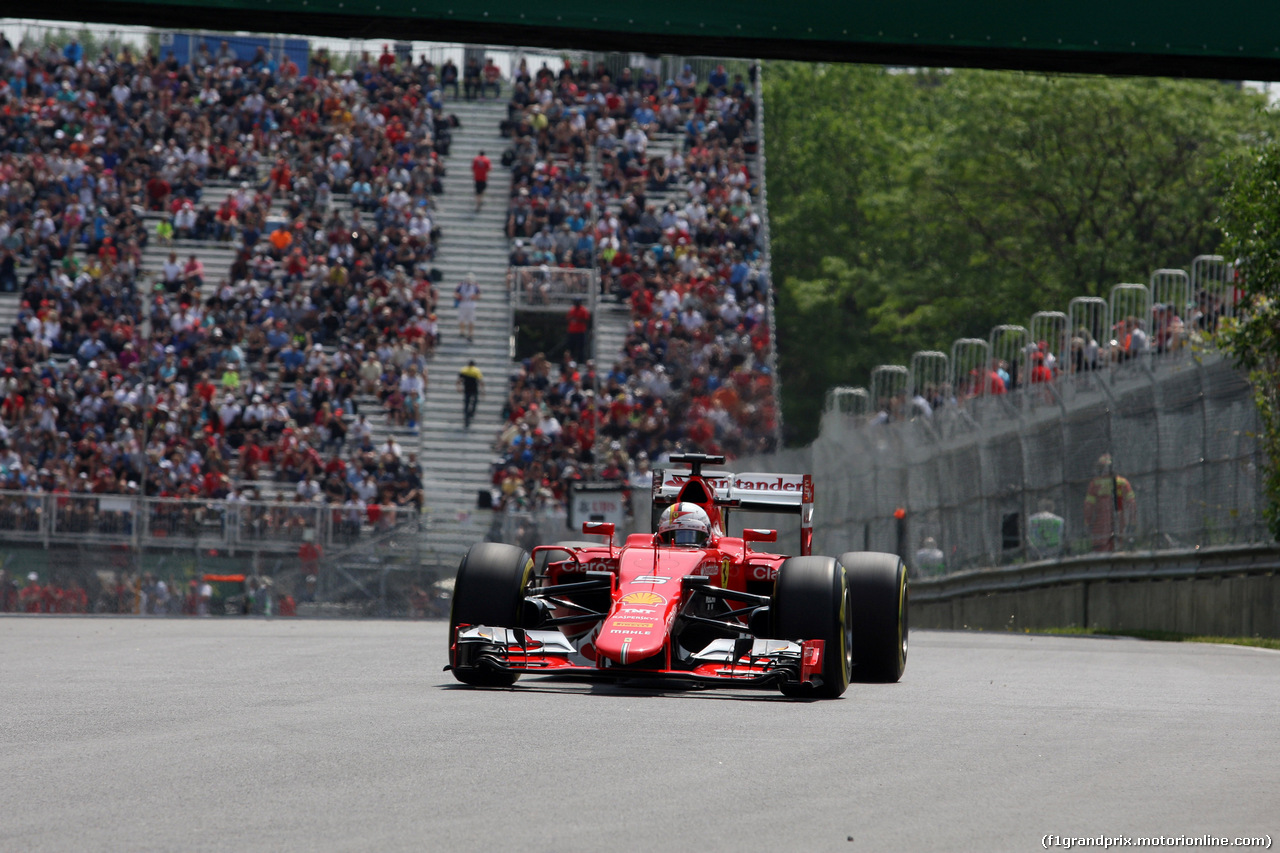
(1039,371)
(492,77)
(480,167)
(158,190)
(579,320)
(386,60)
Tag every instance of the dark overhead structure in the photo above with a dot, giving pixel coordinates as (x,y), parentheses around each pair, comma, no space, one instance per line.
(1236,39)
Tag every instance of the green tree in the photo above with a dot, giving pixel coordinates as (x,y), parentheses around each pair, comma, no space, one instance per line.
(909,209)
(1250,221)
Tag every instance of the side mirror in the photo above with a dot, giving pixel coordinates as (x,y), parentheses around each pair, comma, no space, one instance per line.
(758,534)
(600,528)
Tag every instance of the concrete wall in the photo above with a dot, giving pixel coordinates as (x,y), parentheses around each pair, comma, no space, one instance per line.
(1241,605)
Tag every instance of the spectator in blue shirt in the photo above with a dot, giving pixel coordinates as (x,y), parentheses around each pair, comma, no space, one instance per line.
(718,79)
(291,358)
(89,350)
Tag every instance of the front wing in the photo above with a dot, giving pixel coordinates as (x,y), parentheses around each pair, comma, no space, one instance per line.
(745,662)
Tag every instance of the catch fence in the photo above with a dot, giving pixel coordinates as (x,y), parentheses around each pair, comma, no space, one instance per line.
(1151,454)
(362,559)
(1112,426)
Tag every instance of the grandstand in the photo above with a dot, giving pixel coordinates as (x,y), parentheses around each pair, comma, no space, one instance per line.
(654,186)
(229,281)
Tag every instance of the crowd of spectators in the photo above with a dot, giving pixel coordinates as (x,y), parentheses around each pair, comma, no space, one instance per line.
(197,384)
(145,594)
(676,235)
(1079,353)
(249,386)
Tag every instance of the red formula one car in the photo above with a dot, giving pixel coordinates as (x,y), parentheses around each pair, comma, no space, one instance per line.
(688,602)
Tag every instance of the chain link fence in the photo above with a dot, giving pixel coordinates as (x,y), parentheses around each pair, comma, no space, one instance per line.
(329,558)
(1152,454)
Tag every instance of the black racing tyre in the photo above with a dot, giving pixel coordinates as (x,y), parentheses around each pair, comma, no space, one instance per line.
(881,597)
(489,590)
(811,602)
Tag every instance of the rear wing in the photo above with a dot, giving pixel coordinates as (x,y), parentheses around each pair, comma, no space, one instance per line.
(785,493)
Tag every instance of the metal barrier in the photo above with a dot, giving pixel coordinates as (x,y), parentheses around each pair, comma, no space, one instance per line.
(124,519)
(1007,345)
(930,378)
(970,368)
(889,387)
(1215,591)
(547,288)
(667,66)
(1089,318)
(532,527)
(853,402)
(1050,334)
(1214,290)
(1130,309)
(1170,303)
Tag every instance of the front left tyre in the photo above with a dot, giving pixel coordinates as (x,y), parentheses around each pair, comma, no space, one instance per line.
(489,590)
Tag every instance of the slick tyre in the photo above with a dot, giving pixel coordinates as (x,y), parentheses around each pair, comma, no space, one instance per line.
(811,602)
(489,590)
(880,596)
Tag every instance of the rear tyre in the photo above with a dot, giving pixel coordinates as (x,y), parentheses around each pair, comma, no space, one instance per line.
(489,590)
(811,602)
(880,596)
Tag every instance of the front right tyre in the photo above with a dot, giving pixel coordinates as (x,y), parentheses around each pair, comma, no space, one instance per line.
(811,602)
(489,590)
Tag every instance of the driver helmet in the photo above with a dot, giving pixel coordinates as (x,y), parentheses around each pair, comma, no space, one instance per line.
(684,524)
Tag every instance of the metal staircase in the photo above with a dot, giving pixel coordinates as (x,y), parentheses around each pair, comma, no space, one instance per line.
(456,461)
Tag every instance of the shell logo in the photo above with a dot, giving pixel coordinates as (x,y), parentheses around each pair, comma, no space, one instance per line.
(651,598)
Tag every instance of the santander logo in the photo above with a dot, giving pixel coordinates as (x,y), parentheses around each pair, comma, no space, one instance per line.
(773,483)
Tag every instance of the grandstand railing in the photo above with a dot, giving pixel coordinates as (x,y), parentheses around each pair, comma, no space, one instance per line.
(53,518)
(548,288)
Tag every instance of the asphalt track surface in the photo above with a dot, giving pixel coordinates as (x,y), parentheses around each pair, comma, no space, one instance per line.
(240,735)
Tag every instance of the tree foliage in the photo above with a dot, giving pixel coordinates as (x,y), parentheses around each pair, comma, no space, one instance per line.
(1250,221)
(912,208)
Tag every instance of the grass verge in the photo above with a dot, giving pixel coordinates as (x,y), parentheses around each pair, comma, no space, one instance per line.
(1170,637)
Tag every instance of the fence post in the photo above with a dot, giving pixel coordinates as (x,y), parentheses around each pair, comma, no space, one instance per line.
(1115,483)
(1201,539)
(1157,402)
(1026,503)
(48,505)
(137,530)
